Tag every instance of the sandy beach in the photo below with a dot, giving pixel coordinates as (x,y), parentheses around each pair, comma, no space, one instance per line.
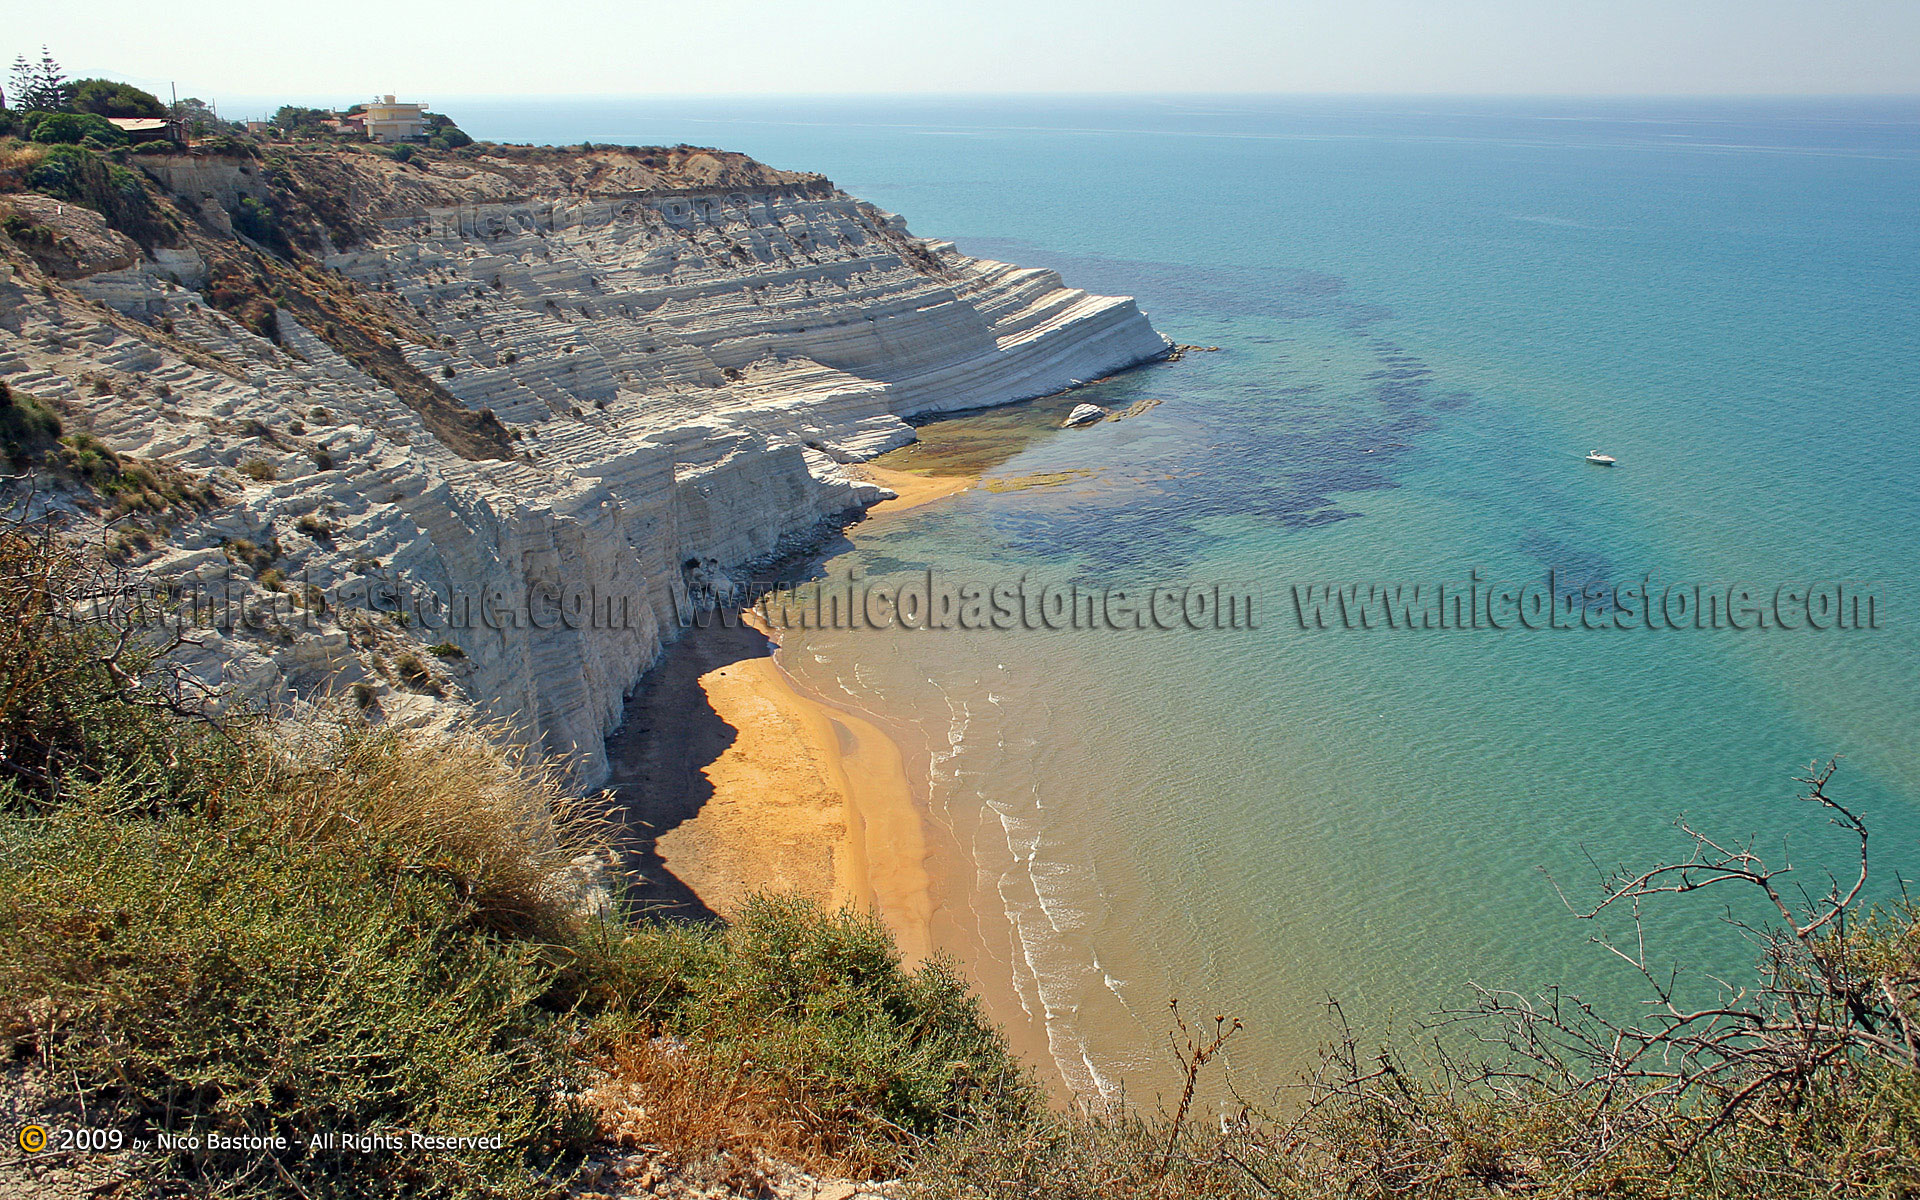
(735,782)
(915,489)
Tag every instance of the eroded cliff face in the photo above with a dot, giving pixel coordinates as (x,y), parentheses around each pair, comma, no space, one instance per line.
(666,357)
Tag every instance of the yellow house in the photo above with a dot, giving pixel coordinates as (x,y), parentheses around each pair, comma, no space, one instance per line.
(388,121)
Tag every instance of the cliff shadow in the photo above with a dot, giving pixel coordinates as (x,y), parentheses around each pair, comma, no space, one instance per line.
(668,735)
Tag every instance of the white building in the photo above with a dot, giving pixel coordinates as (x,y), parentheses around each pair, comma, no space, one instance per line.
(390,121)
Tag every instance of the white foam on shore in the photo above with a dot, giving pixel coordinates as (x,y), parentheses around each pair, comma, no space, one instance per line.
(1042,894)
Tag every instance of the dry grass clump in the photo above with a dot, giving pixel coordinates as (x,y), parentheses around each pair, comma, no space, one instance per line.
(17,161)
(244,552)
(704,1120)
(259,470)
(415,673)
(1104,1155)
(501,832)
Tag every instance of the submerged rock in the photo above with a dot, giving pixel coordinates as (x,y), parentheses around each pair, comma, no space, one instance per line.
(1138,407)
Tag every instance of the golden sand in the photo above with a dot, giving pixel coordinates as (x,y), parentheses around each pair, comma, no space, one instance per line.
(915,488)
(806,799)
(748,785)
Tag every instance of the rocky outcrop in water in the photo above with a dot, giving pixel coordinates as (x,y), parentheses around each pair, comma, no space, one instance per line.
(491,404)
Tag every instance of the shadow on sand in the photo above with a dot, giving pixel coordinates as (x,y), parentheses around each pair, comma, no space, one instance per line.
(668,735)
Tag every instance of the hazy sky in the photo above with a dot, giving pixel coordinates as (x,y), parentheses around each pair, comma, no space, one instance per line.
(430,48)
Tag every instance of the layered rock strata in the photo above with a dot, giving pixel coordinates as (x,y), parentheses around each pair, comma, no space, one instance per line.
(685,353)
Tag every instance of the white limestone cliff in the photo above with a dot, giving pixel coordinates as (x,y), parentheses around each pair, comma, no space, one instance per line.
(685,370)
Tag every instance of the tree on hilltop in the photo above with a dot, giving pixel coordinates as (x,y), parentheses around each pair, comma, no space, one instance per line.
(39,86)
(104,97)
(197,117)
(443,134)
(296,120)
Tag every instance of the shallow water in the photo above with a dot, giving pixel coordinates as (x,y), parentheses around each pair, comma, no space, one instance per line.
(1428,313)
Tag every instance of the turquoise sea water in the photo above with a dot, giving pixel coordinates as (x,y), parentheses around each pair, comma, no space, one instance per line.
(1428,312)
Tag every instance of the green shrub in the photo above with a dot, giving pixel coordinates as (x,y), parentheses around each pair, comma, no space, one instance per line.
(253,218)
(443,134)
(31,437)
(310,122)
(227,145)
(65,173)
(70,128)
(110,99)
(869,1056)
(259,470)
(26,231)
(90,458)
(65,716)
(28,428)
(82,176)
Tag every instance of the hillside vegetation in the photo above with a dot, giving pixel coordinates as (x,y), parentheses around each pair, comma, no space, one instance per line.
(260,928)
(256,928)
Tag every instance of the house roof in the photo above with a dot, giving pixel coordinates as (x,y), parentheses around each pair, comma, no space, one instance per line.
(139,124)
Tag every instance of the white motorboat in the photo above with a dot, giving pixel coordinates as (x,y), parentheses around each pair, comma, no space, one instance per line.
(1601,460)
